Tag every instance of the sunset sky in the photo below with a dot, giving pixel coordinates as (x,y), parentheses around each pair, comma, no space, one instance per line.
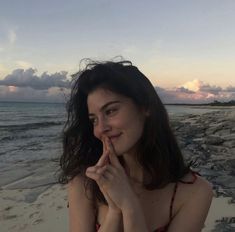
(185,47)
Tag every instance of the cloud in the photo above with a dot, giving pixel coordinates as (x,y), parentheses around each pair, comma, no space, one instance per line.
(184,90)
(230,89)
(27,94)
(192,85)
(27,85)
(203,93)
(210,89)
(28,78)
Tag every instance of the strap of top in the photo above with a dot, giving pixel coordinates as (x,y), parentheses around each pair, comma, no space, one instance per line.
(172,201)
(175,189)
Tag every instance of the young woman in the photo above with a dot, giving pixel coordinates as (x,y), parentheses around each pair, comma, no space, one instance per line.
(123,166)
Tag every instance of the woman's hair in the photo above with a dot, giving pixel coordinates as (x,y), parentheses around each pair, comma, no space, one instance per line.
(158,152)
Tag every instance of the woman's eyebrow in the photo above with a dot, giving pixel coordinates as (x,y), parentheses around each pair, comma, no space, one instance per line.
(105,106)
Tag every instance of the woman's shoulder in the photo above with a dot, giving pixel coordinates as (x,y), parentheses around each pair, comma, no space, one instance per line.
(78,187)
(190,185)
(193,180)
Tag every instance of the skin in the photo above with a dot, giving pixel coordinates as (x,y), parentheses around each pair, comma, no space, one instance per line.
(127,211)
(120,116)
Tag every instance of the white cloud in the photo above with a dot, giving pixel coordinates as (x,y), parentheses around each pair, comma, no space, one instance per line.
(192,85)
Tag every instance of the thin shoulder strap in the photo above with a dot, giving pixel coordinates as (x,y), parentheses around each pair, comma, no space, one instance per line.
(172,201)
(175,189)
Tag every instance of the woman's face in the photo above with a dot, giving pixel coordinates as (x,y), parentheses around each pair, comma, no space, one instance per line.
(117,117)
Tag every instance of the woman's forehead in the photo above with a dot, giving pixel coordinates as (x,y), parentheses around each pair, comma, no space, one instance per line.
(100,97)
(103,95)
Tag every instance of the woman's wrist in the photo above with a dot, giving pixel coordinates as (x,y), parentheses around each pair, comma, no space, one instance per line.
(133,217)
(114,212)
(131,206)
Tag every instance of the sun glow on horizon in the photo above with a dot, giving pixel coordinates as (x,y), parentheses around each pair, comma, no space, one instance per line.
(12,88)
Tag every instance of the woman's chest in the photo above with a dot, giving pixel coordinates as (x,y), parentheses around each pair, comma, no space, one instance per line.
(156,207)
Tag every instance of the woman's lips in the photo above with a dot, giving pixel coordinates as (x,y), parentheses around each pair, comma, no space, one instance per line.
(114,137)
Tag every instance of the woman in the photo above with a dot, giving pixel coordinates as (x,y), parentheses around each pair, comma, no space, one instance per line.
(124,169)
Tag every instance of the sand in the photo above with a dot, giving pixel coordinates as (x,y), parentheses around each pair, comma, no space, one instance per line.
(30,199)
(49,212)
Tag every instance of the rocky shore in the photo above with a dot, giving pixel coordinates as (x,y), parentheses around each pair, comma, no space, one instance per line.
(209,140)
(31,199)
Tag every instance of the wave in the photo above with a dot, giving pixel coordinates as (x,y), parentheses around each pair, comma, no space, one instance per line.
(30,126)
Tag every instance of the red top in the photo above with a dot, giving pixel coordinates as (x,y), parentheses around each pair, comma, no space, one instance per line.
(164,228)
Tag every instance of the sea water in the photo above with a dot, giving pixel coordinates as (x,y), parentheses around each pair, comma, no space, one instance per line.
(33,131)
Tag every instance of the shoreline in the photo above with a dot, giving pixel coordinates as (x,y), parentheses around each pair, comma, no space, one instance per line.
(32,201)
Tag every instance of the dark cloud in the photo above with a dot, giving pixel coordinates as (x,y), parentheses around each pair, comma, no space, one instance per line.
(184,90)
(230,89)
(27,94)
(28,78)
(185,96)
(210,89)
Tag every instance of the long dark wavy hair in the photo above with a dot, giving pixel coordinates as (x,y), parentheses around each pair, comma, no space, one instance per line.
(158,152)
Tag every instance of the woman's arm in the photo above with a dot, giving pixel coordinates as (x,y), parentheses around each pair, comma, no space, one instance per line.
(112,222)
(133,217)
(81,210)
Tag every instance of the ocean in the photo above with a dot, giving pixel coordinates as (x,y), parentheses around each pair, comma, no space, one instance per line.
(32,131)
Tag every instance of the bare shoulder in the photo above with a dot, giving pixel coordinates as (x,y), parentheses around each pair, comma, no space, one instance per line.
(81,206)
(200,187)
(77,190)
(193,199)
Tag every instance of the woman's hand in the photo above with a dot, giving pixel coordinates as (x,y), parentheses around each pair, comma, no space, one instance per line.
(111,178)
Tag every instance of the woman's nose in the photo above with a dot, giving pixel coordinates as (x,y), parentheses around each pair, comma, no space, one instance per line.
(102,127)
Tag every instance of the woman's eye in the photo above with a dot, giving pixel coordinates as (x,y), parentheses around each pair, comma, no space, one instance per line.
(92,120)
(110,111)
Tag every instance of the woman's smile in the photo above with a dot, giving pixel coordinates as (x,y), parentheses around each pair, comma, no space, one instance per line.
(115,137)
(116,117)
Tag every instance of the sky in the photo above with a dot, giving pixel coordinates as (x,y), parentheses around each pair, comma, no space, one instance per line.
(185,47)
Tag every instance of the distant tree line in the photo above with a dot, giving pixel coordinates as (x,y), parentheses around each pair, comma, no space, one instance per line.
(214,103)
(218,103)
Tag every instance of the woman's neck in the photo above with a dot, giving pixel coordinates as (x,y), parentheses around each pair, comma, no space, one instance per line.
(133,169)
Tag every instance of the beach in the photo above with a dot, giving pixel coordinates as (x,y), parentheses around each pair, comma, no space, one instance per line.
(32,200)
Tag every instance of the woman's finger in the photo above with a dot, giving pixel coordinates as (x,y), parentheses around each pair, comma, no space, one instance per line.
(100,178)
(112,154)
(104,144)
(103,159)
(93,175)
(106,172)
(92,169)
